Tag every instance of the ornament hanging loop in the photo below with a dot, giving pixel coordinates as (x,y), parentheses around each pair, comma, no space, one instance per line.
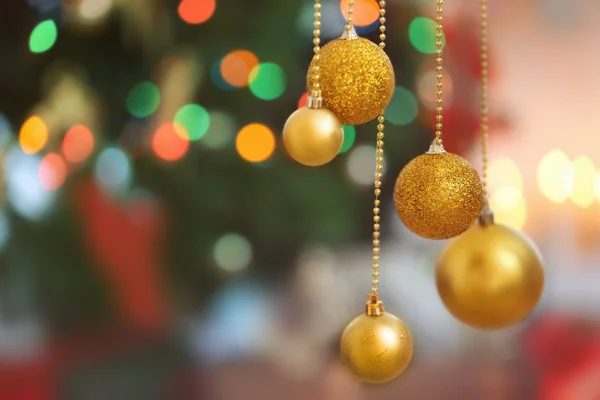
(374,306)
(487,215)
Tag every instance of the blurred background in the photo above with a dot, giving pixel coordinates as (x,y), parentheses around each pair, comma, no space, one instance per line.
(156,242)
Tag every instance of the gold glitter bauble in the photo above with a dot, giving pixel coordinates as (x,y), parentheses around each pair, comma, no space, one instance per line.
(313,136)
(438,196)
(490,277)
(376,348)
(357,79)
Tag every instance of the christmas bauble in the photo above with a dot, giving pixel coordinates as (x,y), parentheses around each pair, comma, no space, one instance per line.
(356,78)
(376,348)
(313,136)
(438,196)
(490,277)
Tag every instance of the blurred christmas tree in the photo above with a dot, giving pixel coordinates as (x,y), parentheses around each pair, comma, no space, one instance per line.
(122,71)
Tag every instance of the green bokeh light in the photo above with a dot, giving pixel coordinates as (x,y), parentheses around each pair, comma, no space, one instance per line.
(195,119)
(232,252)
(143,99)
(349,138)
(403,107)
(421,33)
(43,37)
(267,81)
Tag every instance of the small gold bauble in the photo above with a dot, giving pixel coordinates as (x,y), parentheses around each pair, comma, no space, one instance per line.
(376,348)
(357,79)
(490,277)
(438,195)
(313,136)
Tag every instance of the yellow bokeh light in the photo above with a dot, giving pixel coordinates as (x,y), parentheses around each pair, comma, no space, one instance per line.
(33,135)
(255,143)
(555,176)
(584,172)
(509,206)
(597,186)
(504,172)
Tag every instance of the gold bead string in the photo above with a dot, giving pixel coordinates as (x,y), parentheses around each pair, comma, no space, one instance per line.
(484,101)
(439,69)
(378,172)
(349,20)
(316,89)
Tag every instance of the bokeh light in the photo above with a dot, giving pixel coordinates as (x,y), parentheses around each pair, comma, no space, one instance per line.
(421,33)
(43,37)
(113,170)
(78,144)
(24,190)
(232,252)
(143,99)
(239,320)
(170,142)
(236,67)
(217,78)
(509,206)
(95,9)
(504,172)
(255,143)
(33,135)
(597,186)
(196,11)
(426,88)
(222,130)
(584,173)
(303,102)
(194,119)
(365,13)
(360,165)
(403,107)
(52,171)
(267,81)
(555,176)
(349,138)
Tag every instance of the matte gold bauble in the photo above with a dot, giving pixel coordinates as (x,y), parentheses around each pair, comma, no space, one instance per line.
(438,195)
(313,136)
(490,277)
(356,78)
(376,349)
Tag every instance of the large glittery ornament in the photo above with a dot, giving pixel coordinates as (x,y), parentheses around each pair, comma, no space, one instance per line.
(313,136)
(438,195)
(376,348)
(356,78)
(490,277)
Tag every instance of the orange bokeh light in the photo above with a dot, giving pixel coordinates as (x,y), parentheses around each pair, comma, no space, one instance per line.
(52,172)
(196,11)
(236,67)
(33,135)
(365,11)
(303,101)
(78,144)
(170,142)
(255,143)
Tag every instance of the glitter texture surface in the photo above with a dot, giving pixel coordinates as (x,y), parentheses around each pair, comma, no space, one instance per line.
(438,196)
(376,348)
(357,79)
